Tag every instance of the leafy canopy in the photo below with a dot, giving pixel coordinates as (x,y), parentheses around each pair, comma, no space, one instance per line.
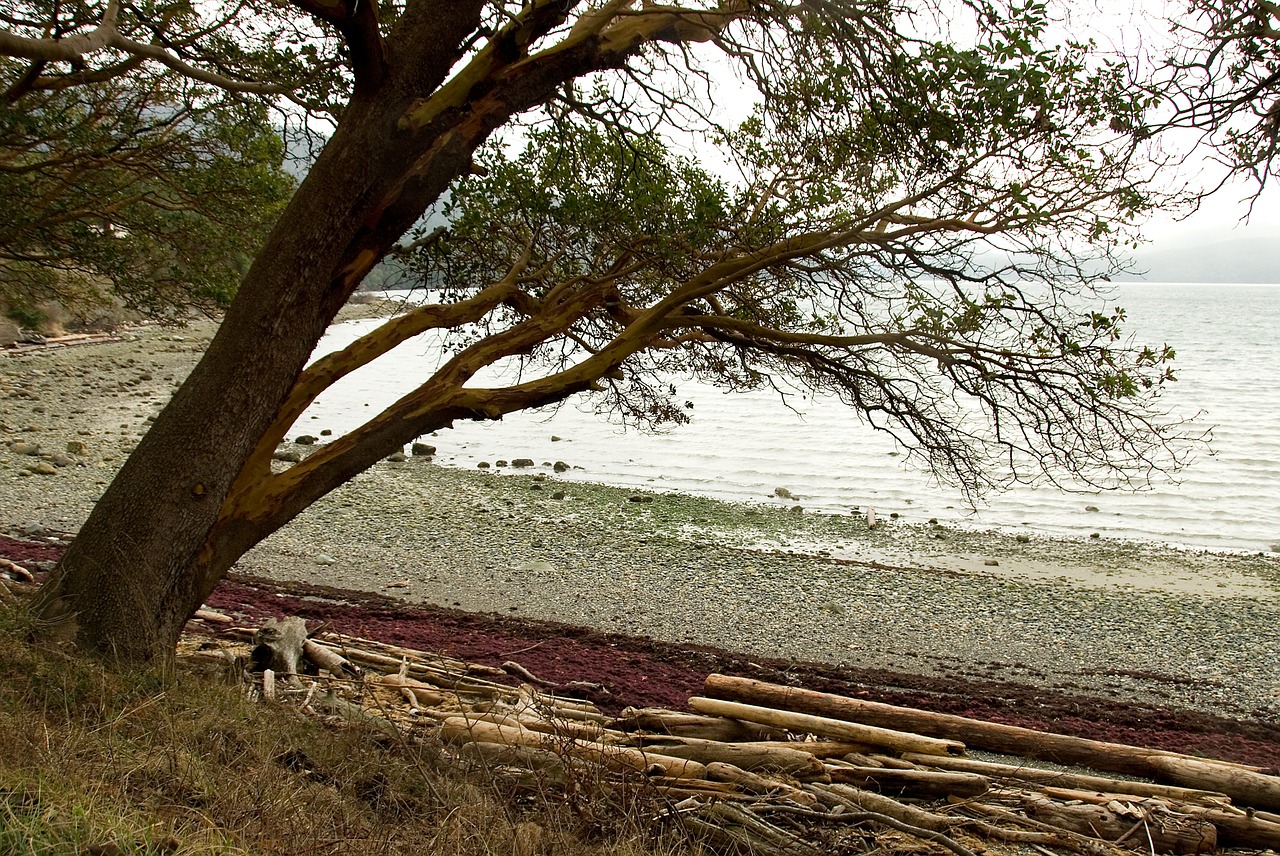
(926,236)
(126,181)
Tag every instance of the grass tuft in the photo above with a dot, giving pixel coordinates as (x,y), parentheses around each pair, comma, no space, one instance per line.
(105,763)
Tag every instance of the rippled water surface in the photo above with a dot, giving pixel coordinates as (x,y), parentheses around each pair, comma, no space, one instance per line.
(744,446)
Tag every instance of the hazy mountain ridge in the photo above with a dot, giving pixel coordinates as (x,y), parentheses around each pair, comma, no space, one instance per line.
(1250,259)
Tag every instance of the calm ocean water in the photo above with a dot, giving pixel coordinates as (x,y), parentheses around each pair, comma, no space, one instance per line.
(743,446)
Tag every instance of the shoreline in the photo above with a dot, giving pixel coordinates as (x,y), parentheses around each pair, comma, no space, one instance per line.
(1115,619)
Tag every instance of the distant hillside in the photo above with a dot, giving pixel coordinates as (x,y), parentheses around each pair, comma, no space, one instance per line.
(1252,259)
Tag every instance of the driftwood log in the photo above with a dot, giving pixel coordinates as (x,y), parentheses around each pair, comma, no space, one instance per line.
(917,783)
(278,646)
(1136,826)
(1082,781)
(774,769)
(766,757)
(1247,786)
(684,724)
(997,737)
(823,726)
(460,729)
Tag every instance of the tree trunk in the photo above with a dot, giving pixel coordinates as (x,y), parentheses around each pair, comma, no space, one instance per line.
(163,534)
(198,490)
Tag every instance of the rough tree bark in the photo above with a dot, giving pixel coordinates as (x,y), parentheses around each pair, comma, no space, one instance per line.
(198,491)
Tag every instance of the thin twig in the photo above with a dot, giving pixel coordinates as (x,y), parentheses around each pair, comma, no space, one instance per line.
(522,650)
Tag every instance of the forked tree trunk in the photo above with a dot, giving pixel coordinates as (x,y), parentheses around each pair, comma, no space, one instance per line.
(150,552)
(184,507)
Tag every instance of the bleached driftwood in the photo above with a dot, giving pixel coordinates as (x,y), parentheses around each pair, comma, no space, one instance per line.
(834,729)
(917,783)
(330,660)
(277,646)
(756,757)
(997,737)
(1083,781)
(1244,785)
(685,724)
(754,774)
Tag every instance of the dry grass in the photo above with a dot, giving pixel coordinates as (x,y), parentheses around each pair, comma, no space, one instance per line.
(99,762)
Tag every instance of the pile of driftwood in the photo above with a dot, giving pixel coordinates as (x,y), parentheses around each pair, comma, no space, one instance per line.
(763,768)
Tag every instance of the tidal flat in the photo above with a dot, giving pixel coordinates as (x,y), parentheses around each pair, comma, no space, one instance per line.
(1115,619)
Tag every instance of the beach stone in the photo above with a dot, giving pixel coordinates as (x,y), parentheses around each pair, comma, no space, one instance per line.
(1023,539)
(522,462)
(60,460)
(555,439)
(22,447)
(500,463)
(77,447)
(325,559)
(305,440)
(484,465)
(560,467)
(560,495)
(291,456)
(328,432)
(797,509)
(397,457)
(783,493)
(422,449)
(1091,508)
(43,468)
(991,563)
(640,497)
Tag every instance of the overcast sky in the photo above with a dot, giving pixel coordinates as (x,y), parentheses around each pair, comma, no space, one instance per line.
(1141,28)
(1221,218)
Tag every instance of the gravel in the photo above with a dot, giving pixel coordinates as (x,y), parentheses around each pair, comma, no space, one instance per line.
(1111,619)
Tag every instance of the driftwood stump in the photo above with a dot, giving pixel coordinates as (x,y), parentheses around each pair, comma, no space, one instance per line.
(278,646)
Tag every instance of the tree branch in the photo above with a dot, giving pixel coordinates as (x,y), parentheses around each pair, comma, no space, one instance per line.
(107,35)
(70,49)
(358,23)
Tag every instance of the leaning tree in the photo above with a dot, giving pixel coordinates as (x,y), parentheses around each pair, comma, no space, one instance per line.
(910,222)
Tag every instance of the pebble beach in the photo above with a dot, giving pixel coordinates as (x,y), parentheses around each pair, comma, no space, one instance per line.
(1112,619)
